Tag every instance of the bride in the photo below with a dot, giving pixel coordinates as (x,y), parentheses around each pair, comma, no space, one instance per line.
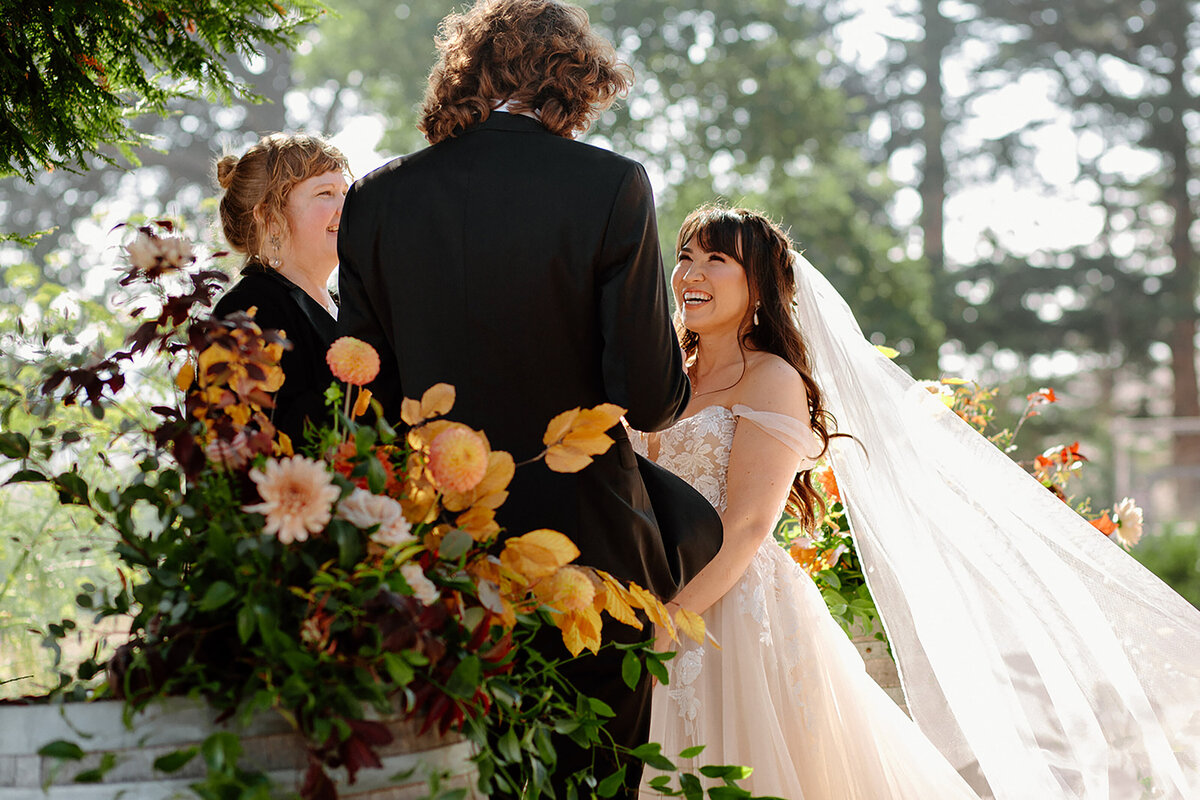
(1039,660)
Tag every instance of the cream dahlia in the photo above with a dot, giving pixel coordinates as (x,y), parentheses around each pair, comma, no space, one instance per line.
(298,496)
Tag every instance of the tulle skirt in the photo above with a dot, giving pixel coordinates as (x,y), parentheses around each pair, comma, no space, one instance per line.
(787,694)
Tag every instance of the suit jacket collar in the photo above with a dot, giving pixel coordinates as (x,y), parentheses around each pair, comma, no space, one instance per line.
(503,121)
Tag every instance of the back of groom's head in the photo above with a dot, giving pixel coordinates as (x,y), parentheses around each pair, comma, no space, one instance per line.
(539,56)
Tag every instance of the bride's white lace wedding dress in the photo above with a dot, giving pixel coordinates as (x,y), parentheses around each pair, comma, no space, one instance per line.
(786,693)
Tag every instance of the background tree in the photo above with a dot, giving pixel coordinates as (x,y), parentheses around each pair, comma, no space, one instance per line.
(76,72)
(1124,72)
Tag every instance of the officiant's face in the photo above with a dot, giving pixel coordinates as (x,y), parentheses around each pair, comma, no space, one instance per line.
(314,210)
(710,290)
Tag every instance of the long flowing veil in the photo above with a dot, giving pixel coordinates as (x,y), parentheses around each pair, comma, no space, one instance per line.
(1041,659)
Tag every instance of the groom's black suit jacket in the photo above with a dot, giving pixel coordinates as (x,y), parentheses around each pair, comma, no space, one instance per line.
(524,268)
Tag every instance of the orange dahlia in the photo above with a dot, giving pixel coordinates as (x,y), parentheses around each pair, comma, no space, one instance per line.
(458,459)
(353,361)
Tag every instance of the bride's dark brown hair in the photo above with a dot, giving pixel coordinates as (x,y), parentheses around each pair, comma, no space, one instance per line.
(764,251)
(539,55)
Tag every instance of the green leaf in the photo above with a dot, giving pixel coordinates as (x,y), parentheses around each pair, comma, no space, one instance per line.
(631,669)
(68,751)
(221,751)
(465,678)
(72,488)
(508,746)
(454,544)
(96,775)
(27,476)
(14,445)
(398,669)
(733,771)
(831,578)
(656,668)
(376,474)
(601,708)
(691,786)
(218,594)
(692,752)
(651,754)
(245,623)
(727,793)
(609,786)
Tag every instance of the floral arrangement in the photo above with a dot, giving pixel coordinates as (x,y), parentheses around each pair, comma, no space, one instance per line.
(359,572)
(828,554)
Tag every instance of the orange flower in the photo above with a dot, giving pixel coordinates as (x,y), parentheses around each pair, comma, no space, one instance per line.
(353,361)
(829,483)
(1104,524)
(1043,395)
(458,459)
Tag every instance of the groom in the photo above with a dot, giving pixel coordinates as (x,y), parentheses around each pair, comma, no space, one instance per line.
(524,268)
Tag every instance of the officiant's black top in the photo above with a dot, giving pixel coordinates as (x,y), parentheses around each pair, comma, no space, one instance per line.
(282,305)
(524,268)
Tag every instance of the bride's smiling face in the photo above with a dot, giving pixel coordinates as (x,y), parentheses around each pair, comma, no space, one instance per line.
(710,290)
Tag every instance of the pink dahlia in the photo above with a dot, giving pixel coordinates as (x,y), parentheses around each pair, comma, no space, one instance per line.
(353,361)
(458,459)
(298,496)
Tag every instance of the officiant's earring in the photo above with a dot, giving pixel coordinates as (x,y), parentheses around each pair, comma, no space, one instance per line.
(756,305)
(275,245)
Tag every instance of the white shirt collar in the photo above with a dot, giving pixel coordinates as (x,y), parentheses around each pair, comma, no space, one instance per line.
(507,107)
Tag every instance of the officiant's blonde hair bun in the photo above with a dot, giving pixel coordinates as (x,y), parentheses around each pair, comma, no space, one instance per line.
(538,55)
(257,185)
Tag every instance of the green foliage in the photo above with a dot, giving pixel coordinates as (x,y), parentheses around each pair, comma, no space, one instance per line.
(77,72)
(1174,556)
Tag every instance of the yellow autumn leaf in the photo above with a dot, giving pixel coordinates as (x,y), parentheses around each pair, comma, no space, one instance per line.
(890,352)
(653,607)
(593,443)
(283,447)
(480,522)
(690,624)
(187,374)
(559,426)
(564,458)
(580,629)
(618,608)
(410,412)
(274,379)
(538,554)
(600,418)
(212,355)
(437,400)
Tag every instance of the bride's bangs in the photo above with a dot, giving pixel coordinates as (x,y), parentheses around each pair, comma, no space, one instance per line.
(717,230)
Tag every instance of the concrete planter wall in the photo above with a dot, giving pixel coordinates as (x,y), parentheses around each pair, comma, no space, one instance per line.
(880,665)
(269,745)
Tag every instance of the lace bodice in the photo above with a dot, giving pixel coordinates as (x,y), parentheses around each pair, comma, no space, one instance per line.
(696,449)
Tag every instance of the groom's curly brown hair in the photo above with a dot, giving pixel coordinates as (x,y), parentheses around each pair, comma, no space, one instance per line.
(539,55)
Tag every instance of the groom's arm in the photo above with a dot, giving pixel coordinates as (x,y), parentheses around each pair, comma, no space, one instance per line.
(643,368)
(359,290)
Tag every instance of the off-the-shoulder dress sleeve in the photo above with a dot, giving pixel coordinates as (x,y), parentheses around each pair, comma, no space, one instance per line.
(796,435)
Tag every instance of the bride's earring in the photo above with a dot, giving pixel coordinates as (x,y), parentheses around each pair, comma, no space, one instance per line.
(275,245)
(756,305)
